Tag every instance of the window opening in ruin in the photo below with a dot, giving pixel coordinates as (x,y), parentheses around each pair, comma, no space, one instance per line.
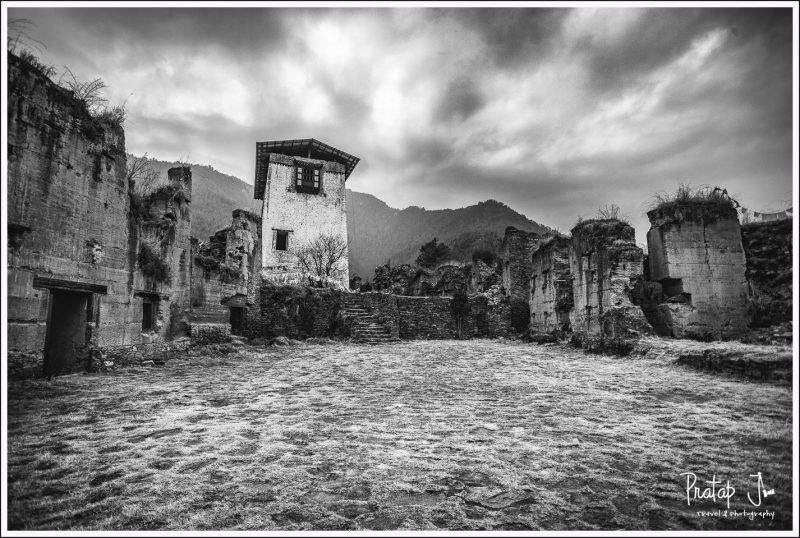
(533,284)
(672,286)
(149,309)
(281,240)
(237,319)
(307,179)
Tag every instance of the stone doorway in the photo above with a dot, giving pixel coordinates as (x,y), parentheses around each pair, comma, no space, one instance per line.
(65,341)
(237,320)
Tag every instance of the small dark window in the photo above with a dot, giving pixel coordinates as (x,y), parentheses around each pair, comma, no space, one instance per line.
(281,240)
(307,179)
(148,315)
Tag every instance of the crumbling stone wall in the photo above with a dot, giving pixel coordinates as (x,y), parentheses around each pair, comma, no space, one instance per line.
(551,297)
(301,311)
(163,229)
(303,215)
(605,263)
(768,254)
(515,255)
(74,237)
(696,254)
(397,280)
(227,276)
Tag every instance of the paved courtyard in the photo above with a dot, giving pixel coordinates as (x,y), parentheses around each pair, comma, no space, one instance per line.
(466,435)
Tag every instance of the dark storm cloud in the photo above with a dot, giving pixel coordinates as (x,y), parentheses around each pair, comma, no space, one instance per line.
(552,111)
(513,36)
(242,30)
(661,35)
(460,100)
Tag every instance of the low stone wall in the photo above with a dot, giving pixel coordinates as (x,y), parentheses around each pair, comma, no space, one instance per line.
(25,365)
(382,306)
(773,368)
(210,333)
(303,312)
(428,318)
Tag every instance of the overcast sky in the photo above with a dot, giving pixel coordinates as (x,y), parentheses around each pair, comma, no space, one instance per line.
(553,112)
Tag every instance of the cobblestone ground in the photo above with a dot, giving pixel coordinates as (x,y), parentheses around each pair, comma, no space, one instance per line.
(421,435)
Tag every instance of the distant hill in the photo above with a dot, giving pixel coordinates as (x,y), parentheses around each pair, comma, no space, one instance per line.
(378,233)
(214,196)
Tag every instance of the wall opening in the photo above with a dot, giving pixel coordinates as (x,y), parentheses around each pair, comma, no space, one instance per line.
(65,340)
(149,312)
(281,240)
(237,320)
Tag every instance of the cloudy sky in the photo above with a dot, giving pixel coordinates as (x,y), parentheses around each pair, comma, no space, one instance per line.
(553,112)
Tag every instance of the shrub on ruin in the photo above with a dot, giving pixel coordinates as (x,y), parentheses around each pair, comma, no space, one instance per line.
(486,256)
(432,253)
(152,265)
(229,274)
(704,204)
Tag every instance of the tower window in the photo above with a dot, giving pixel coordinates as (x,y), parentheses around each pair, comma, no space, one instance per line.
(281,240)
(307,179)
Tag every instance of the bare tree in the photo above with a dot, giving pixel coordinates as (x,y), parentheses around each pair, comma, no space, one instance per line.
(608,212)
(144,176)
(320,256)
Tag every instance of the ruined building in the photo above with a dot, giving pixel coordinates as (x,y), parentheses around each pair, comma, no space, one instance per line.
(604,261)
(226,276)
(93,270)
(551,297)
(696,255)
(302,185)
(515,254)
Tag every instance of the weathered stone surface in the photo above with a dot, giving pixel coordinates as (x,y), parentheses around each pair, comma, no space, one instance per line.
(515,257)
(551,296)
(210,333)
(768,252)
(604,264)
(301,214)
(71,221)
(700,264)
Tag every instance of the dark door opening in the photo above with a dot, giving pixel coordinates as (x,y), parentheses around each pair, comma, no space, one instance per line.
(237,320)
(66,331)
(148,315)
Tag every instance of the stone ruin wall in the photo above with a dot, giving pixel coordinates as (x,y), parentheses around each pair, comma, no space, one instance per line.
(696,254)
(604,263)
(551,297)
(768,251)
(235,283)
(515,254)
(73,242)
(166,230)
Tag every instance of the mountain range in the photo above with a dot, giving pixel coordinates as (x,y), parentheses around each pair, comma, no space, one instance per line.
(377,233)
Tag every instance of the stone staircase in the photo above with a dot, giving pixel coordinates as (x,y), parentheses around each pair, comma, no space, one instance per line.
(365,327)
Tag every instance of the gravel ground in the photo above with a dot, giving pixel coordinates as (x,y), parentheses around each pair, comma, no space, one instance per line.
(461,435)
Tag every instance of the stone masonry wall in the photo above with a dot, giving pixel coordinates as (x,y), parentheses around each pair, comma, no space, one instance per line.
(551,297)
(515,254)
(604,264)
(768,252)
(697,256)
(303,215)
(235,282)
(73,275)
